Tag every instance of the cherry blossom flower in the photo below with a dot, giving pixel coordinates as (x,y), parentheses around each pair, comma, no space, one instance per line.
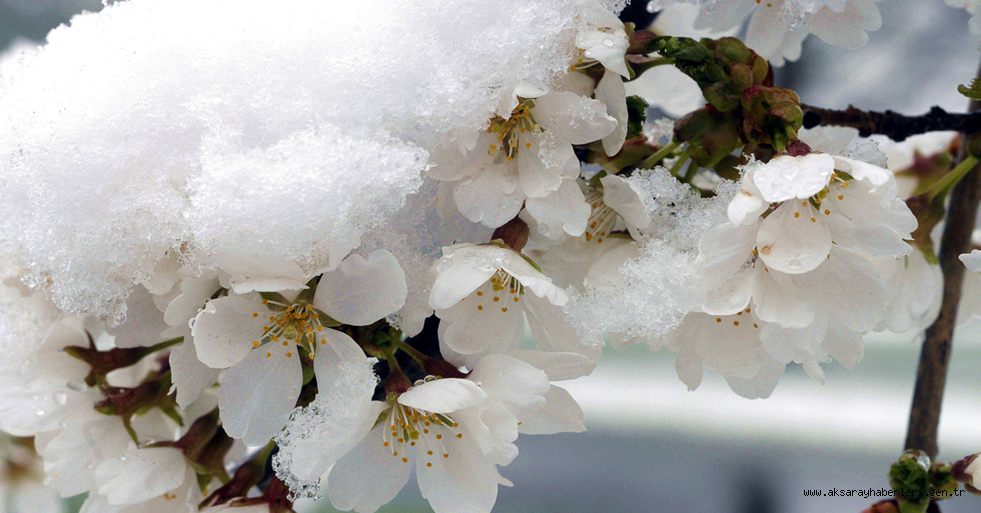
(456,432)
(804,268)
(616,215)
(527,156)
(777,28)
(256,340)
(481,295)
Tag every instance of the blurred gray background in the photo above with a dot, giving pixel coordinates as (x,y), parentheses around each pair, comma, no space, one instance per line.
(654,447)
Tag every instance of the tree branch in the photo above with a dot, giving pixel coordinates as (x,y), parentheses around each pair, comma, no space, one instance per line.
(892,124)
(931,375)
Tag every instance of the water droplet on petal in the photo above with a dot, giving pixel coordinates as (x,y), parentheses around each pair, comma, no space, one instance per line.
(77,385)
(607,41)
(39,412)
(59,397)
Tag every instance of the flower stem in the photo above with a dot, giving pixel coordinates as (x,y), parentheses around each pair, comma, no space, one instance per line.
(659,155)
(640,68)
(685,155)
(949,180)
(420,358)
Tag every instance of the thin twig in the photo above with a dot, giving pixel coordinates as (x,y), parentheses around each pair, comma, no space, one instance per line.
(892,124)
(931,375)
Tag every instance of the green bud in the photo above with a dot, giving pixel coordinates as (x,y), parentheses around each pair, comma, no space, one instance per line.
(942,481)
(910,479)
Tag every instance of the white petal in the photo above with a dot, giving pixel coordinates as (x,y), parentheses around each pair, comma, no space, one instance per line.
(552,330)
(368,476)
(443,395)
(972,260)
(762,384)
(144,321)
(564,211)
(491,197)
(337,353)
(786,177)
(557,366)
(71,456)
(332,439)
(620,196)
(779,302)
(360,292)
(257,395)
(613,94)
(849,288)
(193,293)
(794,239)
(456,281)
(157,470)
(189,374)
(225,330)
(748,204)
(517,384)
(478,324)
(263,273)
(573,119)
(465,481)
(543,162)
(561,414)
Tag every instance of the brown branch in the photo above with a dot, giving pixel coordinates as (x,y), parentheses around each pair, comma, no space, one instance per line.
(931,375)
(892,124)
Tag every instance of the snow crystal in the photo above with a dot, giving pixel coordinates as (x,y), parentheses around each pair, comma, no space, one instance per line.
(308,426)
(188,125)
(657,281)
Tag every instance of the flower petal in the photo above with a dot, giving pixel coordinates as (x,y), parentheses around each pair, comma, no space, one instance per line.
(224,332)
(443,395)
(562,212)
(332,439)
(794,239)
(464,481)
(189,374)
(367,477)
(561,414)
(786,177)
(613,94)
(157,470)
(360,292)
(257,395)
(335,349)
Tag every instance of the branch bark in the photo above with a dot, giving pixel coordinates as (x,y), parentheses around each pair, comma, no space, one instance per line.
(931,374)
(892,124)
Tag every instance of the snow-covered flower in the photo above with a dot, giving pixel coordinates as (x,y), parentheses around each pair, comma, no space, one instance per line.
(483,294)
(804,267)
(526,157)
(616,215)
(777,28)
(456,431)
(605,41)
(256,340)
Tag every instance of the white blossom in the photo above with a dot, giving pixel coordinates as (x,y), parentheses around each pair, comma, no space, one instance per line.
(483,294)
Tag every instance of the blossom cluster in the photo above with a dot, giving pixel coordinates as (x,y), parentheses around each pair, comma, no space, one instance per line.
(369,268)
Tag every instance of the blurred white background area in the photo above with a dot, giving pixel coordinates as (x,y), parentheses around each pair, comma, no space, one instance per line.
(652,446)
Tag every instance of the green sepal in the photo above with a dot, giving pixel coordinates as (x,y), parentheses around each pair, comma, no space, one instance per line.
(973,92)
